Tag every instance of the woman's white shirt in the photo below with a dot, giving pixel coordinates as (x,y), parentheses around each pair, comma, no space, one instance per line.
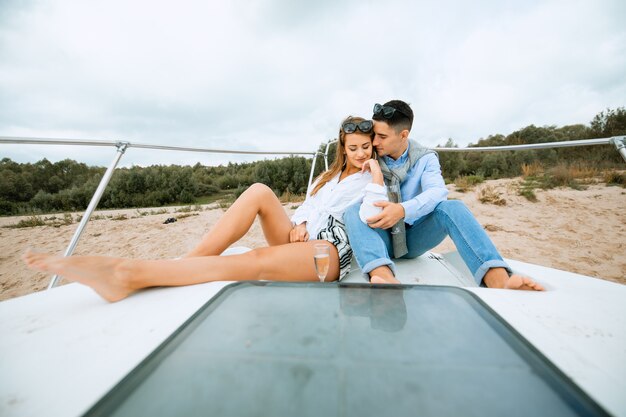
(335,197)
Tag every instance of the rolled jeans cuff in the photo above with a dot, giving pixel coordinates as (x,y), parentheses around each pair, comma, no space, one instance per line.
(486,266)
(375,264)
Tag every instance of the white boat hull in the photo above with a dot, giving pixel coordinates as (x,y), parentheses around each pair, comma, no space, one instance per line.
(64,349)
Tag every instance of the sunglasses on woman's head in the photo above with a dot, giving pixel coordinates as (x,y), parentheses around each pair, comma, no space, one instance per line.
(386,111)
(365,126)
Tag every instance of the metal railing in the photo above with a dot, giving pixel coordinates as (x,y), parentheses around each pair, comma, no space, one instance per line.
(121,146)
(618,141)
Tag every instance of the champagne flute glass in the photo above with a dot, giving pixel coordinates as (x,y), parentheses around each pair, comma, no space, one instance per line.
(322,260)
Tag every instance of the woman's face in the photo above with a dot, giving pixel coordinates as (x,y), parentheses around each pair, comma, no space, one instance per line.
(358,149)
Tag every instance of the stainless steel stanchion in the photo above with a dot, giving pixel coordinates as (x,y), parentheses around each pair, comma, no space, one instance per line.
(121,148)
(620,145)
(312,171)
(326,153)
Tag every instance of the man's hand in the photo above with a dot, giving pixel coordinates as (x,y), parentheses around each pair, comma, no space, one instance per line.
(299,233)
(391,214)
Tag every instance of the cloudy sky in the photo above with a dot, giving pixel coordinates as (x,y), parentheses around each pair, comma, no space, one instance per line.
(280,75)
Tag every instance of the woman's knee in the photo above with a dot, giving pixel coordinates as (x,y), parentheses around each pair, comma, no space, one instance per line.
(260,189)
(260,193)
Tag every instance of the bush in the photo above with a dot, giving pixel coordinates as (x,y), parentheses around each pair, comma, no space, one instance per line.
(528,193)
(7,208)
(186,197)
(615,178)
(185,209)
(228,182)
(32,221)
(240,190)
(207,189)
(560,175)
(531,170)
(466,183)
(489,195)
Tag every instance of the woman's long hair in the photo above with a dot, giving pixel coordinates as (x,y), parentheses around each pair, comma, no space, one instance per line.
(340,155)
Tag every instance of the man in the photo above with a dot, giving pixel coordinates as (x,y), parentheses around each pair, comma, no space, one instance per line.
(418,215)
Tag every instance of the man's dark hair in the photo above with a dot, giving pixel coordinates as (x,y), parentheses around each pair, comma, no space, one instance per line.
(401,119)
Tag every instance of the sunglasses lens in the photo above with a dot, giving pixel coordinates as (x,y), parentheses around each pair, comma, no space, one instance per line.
(365,126)
(349,127)
(388,111)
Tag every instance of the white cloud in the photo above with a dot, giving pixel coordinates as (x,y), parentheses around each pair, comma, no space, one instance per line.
(278,75)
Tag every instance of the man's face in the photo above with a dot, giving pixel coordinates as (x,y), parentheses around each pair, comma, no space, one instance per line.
(387,141)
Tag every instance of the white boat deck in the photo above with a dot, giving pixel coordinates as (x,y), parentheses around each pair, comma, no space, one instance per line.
(62,350)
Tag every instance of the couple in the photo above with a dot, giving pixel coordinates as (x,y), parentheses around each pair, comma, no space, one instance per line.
(347,209)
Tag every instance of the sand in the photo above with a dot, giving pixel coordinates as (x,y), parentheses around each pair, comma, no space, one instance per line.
(582,231)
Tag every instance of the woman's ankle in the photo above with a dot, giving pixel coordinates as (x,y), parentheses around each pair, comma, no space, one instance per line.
(126,274)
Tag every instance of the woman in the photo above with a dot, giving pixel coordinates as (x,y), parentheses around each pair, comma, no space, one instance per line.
(353,177)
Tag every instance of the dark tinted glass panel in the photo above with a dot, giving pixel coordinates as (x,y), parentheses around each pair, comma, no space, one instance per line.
(262,349)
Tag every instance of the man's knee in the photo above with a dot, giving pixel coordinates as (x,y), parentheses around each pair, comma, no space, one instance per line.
(450,206)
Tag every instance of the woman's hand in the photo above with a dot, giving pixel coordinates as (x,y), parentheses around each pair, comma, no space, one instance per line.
(299,233)
(372,166)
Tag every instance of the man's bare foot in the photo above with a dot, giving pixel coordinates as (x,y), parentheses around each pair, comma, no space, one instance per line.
(382,280)
(109,277)
(382,275)
(499,278)
(519,282)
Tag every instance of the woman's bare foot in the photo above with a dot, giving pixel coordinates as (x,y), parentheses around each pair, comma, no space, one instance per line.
(381,280)
(109,277)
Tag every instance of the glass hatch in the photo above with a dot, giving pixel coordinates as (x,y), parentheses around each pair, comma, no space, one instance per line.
(282,349)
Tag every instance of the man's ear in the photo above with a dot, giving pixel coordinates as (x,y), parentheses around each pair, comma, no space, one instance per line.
(404,134)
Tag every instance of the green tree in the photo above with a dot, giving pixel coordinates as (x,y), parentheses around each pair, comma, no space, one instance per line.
(609,123)
(452,163)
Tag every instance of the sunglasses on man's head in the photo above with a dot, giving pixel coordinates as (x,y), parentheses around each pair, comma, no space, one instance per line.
(365,126)
(386,111)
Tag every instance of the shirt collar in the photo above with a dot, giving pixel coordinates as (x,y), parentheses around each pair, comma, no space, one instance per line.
(352,177)
(400,161)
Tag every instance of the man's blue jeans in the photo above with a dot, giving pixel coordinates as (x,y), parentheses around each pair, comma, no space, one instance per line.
(372,247)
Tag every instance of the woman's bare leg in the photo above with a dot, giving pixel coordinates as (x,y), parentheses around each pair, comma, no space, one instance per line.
(116,278)
(257,199)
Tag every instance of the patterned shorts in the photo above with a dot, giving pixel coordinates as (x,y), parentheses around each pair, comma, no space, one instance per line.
(335,233)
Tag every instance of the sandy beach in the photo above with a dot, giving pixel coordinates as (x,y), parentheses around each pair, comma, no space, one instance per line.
(582,231)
